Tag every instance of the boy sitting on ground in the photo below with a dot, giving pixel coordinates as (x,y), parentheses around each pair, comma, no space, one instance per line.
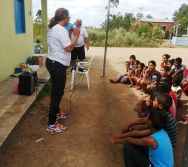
(122,78)
(178,68)
(158,142)
(162,101)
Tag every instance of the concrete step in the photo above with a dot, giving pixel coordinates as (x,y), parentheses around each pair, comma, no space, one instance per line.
(14,107)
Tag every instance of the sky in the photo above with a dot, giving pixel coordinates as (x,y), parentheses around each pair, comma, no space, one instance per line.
(93,13)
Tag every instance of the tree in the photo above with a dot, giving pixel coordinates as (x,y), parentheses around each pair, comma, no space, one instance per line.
(128,20)
(39,17)
(117,21)
(139,15)
(37,26)
(113,4)
(149,16)
(180,17)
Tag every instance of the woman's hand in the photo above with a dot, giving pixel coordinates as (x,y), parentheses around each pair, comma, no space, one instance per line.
(76,32)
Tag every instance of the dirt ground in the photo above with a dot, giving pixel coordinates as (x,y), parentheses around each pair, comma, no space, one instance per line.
(95,115)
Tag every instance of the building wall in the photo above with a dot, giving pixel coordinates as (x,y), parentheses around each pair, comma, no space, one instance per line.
(14,48)
(167,25)
(180,41)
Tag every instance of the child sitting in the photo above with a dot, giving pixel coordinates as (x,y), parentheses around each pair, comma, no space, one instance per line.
(143,74)
(165,70)
(151,78)
(162,101)
(168,80)
(177,69)
(184,82)
(166,88)
(138,75)
(165,59)
(158,142)
(122,78)
(144,106)
(133,72)
(176,88)
(170,63)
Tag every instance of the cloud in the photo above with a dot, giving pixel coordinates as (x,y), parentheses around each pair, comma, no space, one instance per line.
(93,13)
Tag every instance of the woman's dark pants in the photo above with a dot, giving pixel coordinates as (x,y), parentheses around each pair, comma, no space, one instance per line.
(58,80)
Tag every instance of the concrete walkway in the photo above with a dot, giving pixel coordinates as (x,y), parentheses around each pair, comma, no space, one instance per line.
(13,107)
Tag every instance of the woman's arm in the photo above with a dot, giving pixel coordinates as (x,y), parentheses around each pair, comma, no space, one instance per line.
(76,33)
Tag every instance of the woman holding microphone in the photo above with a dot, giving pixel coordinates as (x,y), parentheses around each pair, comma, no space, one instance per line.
(59,57)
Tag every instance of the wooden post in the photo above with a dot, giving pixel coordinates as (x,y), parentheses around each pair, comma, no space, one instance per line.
(44,25)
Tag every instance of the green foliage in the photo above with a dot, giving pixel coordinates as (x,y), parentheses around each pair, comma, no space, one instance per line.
(119,38)
(158,33)
(145,30)
(149,16)
(181,17)
(139,15)
(118,21)
(37,32)
(113,4)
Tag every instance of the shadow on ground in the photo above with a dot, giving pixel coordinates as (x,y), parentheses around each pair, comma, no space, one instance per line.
(95,115)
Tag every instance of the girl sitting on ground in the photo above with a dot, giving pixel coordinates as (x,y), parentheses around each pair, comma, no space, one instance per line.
(133,72)
(151,78)
(165,59)
(165,70)
(142,77)
(144,106)
(170,63)
(184,82)
(138,75)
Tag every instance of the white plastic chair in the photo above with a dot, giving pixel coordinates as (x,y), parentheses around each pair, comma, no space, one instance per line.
(86,68)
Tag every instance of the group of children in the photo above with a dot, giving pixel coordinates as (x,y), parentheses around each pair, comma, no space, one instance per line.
(145,78)
(152,137)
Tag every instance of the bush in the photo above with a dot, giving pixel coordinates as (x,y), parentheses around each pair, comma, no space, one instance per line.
(120,38)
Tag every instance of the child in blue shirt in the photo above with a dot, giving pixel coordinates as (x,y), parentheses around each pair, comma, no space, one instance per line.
(161,101)
(160,149)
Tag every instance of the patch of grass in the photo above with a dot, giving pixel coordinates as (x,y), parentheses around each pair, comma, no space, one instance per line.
(46,91)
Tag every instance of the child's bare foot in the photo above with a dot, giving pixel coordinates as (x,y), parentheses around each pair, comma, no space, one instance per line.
(113,81)
(138,88)
(131,85)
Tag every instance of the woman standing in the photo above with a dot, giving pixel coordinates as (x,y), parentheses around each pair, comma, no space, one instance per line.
(59,57)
